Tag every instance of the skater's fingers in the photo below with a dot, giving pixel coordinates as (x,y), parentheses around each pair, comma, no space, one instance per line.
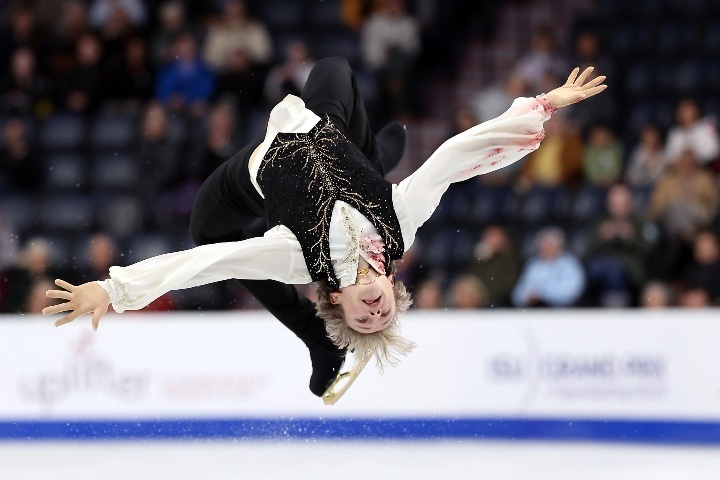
(594,82)
(583,76)
(52,310)
(594,90)
(58,294)
(68,318)
(97,315)
(67,286)
(573,76)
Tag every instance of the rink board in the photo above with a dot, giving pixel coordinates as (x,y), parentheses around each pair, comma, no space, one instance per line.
(595,375)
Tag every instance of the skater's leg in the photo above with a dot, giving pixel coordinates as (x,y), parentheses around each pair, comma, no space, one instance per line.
(298,314)
(332,89)
(215,220)
(222,210)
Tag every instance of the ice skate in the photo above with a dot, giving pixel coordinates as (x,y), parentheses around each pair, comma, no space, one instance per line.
(344,380)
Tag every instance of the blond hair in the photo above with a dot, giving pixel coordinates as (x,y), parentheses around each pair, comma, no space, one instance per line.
(387,345)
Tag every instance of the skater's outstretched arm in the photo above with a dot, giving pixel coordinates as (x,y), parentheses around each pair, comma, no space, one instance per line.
(490,145)
(275,256)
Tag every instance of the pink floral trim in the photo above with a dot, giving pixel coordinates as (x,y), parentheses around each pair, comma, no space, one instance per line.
(543,100)
(372,249)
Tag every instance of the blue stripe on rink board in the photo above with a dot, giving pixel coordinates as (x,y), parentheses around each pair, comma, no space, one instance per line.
(371,428)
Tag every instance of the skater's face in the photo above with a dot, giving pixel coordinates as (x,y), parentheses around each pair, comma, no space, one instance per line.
(367,308)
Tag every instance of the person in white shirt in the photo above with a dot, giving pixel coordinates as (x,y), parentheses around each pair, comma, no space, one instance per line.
(693,132)
(358,239)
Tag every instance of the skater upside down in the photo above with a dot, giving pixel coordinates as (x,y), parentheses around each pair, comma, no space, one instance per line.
(308,202)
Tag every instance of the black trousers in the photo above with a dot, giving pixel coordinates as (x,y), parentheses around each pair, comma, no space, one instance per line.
(228,208)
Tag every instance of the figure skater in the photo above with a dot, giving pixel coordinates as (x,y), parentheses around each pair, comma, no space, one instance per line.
(331,216)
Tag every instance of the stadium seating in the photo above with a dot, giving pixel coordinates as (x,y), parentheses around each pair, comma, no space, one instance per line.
(63,131)
(65,171)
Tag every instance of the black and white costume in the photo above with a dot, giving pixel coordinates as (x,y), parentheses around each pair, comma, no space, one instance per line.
(345,200)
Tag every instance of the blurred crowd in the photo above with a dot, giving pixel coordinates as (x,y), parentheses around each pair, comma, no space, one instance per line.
(616,208)
(112,112)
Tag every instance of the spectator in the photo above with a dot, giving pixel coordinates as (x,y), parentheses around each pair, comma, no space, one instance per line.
(695,298)
(389,31)
(33,264)
(72,26)
(105,12)
(133,83)
(237,30)
(22,33)
(219,143)
(558,161)
(553,278)
(20,165)
(240,83)
(543,58)
(603,158)
(102,253)
(186,83)
(468,292)
(693,133)
(159,155)
(587,54)
(173,22)
(685,199)
(647,162)
(617,251)
(36,299)
(464,120)
(493,101)
(81,89)
(656,294)
(495,264)
(290,76)
(703,272)
(354,12)
(428,295)
(390,47)
(117,30)
(22,90)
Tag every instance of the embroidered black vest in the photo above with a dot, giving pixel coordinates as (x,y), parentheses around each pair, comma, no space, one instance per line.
(303,174)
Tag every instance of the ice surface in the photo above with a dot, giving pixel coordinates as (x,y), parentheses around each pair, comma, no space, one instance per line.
(300,460)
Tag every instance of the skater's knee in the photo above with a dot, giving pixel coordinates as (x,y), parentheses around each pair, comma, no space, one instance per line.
(333,64)
(195,234)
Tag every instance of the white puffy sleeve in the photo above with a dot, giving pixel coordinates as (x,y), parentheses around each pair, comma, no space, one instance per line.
(275,256)
(481,149)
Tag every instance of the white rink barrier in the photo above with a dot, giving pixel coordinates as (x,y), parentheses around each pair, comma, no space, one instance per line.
(625,375)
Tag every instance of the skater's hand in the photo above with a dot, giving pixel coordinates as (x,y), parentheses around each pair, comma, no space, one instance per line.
(86,298)
(574,91)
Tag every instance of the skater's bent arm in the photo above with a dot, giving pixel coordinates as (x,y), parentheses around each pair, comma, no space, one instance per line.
(482,149)
(490,145)
(276,256)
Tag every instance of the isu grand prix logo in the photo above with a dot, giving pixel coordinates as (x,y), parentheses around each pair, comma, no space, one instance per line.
(85,371)
(542,372)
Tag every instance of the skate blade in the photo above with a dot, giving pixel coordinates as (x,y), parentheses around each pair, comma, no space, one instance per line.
(343,381)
